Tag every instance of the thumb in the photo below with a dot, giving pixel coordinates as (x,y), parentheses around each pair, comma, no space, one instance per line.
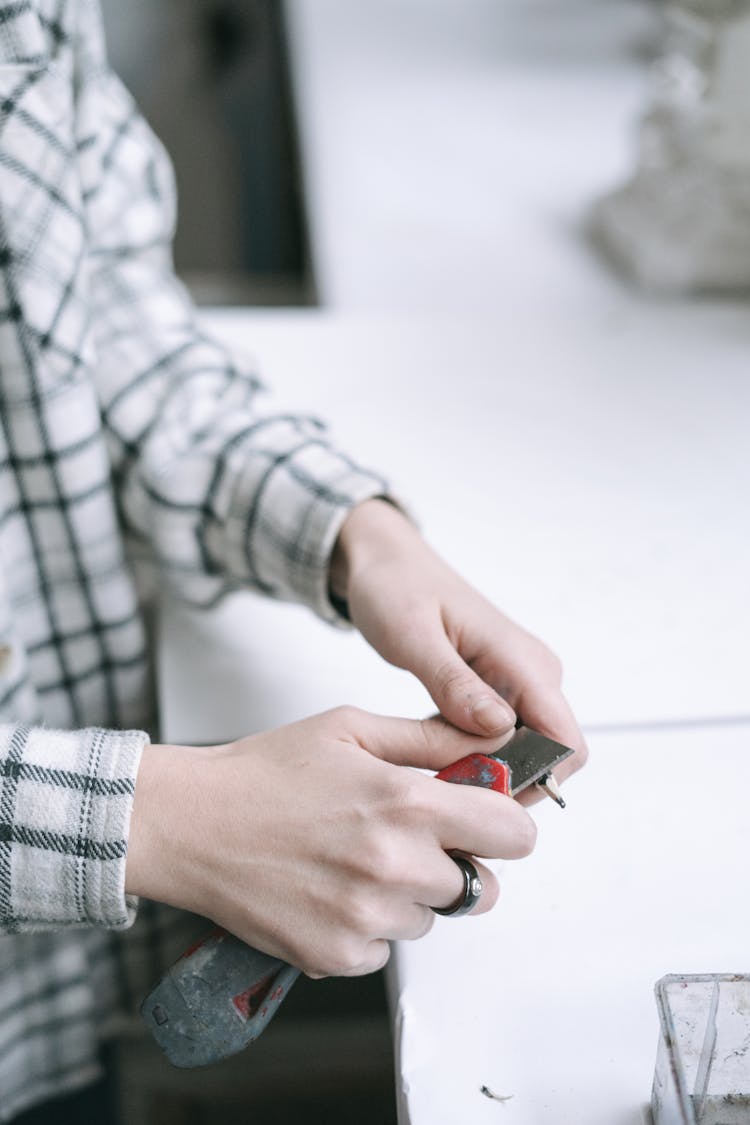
(426,743)
(461,696)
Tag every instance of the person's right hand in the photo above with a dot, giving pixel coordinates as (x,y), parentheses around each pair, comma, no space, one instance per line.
(312,843)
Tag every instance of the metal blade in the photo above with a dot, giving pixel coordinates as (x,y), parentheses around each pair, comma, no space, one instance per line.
(530,756)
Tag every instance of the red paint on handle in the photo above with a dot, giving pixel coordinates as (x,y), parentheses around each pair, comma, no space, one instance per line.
(478,769)
(216,934)
(247,1003)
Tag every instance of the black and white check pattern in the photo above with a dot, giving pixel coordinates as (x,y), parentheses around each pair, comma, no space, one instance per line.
(124,433)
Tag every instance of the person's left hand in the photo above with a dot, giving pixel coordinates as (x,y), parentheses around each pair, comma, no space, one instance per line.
(482,670)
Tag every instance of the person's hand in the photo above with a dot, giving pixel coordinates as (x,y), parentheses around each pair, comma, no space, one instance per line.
(312,842)
(482,670)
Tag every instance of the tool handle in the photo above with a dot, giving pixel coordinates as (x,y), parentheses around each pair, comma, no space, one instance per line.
(479,769)
(221,994)
(215,1000)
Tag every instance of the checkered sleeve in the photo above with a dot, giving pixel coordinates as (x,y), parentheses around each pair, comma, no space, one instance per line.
(65,801)
(225,490)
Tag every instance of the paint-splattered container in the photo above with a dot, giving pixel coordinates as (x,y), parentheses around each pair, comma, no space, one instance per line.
(702,1074)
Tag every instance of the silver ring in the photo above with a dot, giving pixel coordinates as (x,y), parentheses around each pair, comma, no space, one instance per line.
(471,893)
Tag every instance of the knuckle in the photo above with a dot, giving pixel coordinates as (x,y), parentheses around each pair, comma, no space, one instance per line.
(337,952)
(453,680)
(311,964)
(409,795)
(550,663)
(345,715)
(346,958)
(416,808)
(402,797)
(362,917)
(383,861)
(426,730)
(541,665)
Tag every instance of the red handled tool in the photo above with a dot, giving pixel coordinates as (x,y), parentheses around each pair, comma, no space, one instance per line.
(528,759)
(220,995)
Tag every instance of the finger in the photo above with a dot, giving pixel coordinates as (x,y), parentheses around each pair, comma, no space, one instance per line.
(376,957)
(426,743)
(409,922)
(487,899)
(460,694)
(462,817)
(373,956)
(478,821)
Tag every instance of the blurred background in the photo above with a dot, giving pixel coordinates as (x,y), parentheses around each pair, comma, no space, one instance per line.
(384,153)
(213,79)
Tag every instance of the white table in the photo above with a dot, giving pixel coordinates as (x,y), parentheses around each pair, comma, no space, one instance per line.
(549,998)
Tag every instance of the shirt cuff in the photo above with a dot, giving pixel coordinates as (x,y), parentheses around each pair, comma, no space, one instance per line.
(65,804)
(281,533)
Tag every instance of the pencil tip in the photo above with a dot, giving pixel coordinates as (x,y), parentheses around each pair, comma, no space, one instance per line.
(552,789)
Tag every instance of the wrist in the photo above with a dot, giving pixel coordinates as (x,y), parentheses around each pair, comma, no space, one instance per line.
(373,530)
(165,815)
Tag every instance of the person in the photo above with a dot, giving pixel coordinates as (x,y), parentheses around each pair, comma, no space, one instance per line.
(133,445)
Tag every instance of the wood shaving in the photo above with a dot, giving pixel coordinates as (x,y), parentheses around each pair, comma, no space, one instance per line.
(495,1097)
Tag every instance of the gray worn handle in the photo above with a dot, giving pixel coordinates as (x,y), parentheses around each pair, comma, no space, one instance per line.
(216,1000)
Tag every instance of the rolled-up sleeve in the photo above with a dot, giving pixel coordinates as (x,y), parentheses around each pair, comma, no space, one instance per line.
(224,489)
(65,804)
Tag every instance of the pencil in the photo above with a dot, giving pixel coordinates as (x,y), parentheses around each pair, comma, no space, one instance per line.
(549,786)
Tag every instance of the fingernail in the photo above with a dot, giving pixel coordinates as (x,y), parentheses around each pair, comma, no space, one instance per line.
(492,714)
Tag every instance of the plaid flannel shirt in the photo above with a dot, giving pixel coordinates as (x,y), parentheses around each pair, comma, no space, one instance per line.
(124,432)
